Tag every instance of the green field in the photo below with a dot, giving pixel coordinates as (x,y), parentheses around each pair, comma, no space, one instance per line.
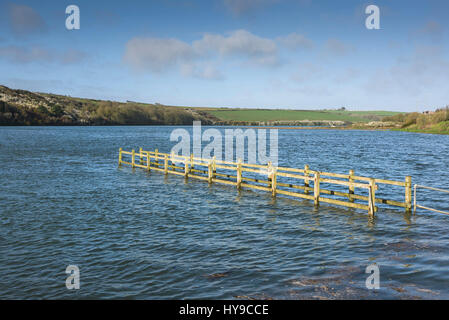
(291,115)
(439,128)
(52,109)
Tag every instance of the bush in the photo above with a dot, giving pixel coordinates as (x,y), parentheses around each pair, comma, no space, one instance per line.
(400,117)
(43,110)
(56,110)
(421,120)
(410,119)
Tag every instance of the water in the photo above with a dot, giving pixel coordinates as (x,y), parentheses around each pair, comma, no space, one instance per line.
(136,235)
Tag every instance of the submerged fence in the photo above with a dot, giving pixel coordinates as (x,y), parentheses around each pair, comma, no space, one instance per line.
(416,205)
(279,180)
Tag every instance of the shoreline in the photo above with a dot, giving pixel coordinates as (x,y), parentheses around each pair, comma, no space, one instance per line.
(238,126)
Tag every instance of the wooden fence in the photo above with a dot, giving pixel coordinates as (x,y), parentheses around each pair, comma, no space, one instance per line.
(278,179)
(416,205)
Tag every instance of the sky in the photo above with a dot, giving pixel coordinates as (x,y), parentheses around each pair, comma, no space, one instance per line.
(292,54)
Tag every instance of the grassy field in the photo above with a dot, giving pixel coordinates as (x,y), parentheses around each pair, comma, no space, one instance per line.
(21,107)
(290,115)
(439,128)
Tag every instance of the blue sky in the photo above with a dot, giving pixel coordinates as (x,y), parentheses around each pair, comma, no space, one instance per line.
(232,53)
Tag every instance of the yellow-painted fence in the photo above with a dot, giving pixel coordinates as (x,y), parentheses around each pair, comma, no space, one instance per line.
(310,188)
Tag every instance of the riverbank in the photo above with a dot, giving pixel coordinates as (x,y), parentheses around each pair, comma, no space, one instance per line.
(433,122)
(440,128)
(21,107)
(26,108)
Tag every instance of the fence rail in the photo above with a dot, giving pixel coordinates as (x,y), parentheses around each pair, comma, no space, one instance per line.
(423,207)
(279,180)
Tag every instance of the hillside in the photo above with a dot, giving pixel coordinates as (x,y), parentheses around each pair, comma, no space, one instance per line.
(436,122)
(20,107)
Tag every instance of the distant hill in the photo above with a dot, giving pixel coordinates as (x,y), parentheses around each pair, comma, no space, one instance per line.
(21,107)
(284,116)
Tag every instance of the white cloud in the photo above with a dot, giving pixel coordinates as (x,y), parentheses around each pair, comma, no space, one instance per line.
(432,30)
(239,7)
(208,71)
(417,80)
(337,47)
(432,27)
(156,54)
(72,56)
(294,41)
(239,43)
(18,54)
(21,55)
(24,20)
(424,69)
(200,58)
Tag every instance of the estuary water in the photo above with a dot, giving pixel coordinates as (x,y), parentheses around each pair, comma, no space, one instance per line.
(140,235)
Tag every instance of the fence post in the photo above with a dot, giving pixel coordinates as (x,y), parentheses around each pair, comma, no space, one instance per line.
(140,156)
(274,183)
(414,199)
(270,180)
(209,171)
(186,167)
(133,155)
(156,159)
(191,162)
(306,180)
(239,174)
(408,194)
(120,157)
(166,164)
(372,197)
(351,186)
(214,167)
(148,161)
(316,189)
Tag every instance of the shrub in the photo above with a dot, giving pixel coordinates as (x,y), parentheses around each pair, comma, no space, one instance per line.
(400,117)
(410,119)
(43,110)
(56,110)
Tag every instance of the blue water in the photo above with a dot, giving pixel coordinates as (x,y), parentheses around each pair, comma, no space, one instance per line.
(139,235)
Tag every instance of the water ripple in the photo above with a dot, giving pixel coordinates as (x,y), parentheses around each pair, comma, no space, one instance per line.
(140,235)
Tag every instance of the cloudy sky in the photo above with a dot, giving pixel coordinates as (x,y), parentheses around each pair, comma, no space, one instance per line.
(240,53)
